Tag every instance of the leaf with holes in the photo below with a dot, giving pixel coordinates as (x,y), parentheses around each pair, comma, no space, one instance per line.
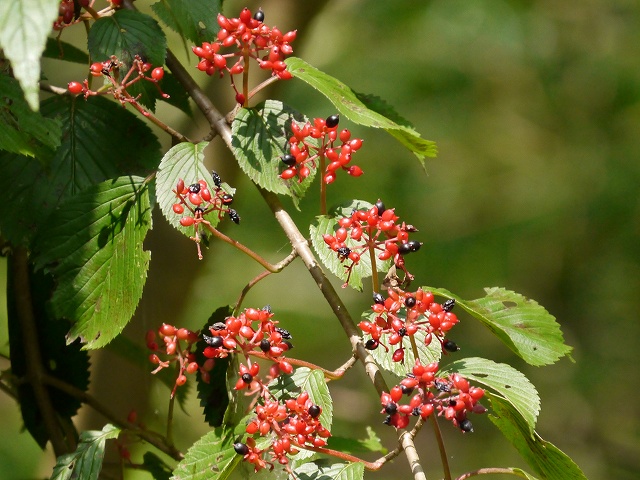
(126,34)
(86,461)
(543,457)
(327,225)
(24,27)
(261,139)
(503,379)
(349,105)
(522,324)
(93,246)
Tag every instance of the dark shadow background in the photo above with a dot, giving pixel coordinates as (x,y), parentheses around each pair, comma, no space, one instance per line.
(535,109)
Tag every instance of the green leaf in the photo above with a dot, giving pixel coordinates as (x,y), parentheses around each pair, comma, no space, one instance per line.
(89,154)
(355,446)
(210,458)
(522,324)
(24,27)
(214,394)
(511,384)
(59,50)
(126,34)
(184,161)
(543,457)
(93,246)
(349,104)
(328,224)
(325,470)
(67,363)
(86,461)
(24,131)
(260,139)
(428,353)
(194,20)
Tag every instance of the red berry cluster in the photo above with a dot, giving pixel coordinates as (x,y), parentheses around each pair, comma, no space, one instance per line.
(374,229)
(200,200)
(403,314)
(294,424)
(253,331)
(323,134)
(110,69)
(251,39)
(67,13)
(451,397)
(180,353)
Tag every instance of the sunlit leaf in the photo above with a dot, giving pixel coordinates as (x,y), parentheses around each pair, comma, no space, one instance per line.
(349,105)
(24,26)
(328,224)
(325,470)
(210,458)
(86,461)
(260,140)
(543,457)
(521,323)
(503,379)
(93,246)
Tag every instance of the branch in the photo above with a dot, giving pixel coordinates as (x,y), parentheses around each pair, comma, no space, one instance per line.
(488,471)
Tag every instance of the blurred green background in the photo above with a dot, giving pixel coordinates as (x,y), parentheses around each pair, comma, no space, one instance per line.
(535,107)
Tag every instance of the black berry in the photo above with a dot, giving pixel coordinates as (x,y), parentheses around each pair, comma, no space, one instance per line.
(466,425)
(449,304)
(314,411)
(217,181)
(259,16)
(450,346)
(332,121)
(378,298)
(219,326)
(380,206)
(194,188)
(227,199)
(390,408)
(371,344)
(241,448)
(233,215)
(410,302)
(265,345)
(289,160)
(247,378)
(344,252)
(285,333)
(215,342)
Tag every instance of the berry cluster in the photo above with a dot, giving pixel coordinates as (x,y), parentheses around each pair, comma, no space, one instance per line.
(315,142)
(293,424)
(67,13)
(451,397)
(200,200)
(251,39)
(180,353)
(373,229)
(110,70)
(403,314)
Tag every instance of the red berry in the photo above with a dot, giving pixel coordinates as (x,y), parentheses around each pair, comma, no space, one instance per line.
(75,87)
(181,380)
(178,208)
(186,221)
(157,73)
(96,69)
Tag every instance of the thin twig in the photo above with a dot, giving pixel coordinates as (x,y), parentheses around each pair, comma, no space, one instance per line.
(441,447)
(488,471)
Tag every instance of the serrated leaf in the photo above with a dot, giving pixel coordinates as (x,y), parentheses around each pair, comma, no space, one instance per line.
(88,154)
(214,394)
(325,470)
(428,353)
(260,139)
(126,34)
(521,323)
(328,224)
(185,161)
(194,20)
(348,104)
(59,50)
(93,246)
(86,461)
(304,379)
(543,457)
(511,384)
(210,458)
(24,27)
(67,363)
(357,446)
(24,131)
